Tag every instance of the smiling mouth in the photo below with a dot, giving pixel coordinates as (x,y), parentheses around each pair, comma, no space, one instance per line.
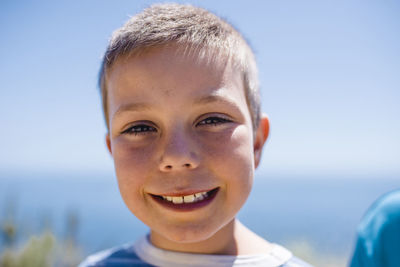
(186,202)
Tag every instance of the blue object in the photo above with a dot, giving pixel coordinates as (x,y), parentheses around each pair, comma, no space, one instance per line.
(378,242)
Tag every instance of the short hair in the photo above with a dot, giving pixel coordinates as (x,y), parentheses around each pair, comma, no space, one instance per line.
(193,28)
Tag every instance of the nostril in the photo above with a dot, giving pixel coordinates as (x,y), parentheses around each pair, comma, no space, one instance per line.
(176,167)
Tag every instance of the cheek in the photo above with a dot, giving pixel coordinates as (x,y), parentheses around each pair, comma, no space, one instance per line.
(235,146)
(232,158)
(132,166)
(130,159)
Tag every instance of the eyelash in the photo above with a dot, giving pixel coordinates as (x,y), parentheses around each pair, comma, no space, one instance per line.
(144,129)
(213,121)
(139,129)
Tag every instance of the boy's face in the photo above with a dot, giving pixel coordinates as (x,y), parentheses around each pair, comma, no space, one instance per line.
(179,127)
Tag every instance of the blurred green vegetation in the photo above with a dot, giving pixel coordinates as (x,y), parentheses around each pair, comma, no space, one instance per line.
(40,250)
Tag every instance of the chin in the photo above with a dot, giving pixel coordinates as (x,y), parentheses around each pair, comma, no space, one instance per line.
(188,234)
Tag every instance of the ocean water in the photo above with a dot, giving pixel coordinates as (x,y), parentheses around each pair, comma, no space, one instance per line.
(322,211)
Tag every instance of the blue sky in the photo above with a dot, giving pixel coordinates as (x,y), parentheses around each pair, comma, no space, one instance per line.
(329,72)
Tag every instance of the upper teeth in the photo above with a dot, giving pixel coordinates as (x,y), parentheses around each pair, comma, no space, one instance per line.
(186,199)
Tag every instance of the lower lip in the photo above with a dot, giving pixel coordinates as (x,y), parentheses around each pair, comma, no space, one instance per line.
(187,206)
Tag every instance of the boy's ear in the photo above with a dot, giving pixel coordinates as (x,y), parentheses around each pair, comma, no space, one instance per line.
(260,138)
(108,142)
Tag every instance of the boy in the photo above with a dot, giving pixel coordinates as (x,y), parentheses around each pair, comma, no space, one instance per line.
(181,102)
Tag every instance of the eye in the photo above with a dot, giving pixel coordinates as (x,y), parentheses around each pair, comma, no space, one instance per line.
(139,129)
(213,121)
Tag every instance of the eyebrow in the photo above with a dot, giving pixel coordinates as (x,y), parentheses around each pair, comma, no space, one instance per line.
(132,107)
(209,99)
(215,98)
(212,99)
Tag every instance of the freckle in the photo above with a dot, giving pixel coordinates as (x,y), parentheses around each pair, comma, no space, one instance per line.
(167,92)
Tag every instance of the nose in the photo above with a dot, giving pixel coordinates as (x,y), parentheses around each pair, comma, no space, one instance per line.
(179,153)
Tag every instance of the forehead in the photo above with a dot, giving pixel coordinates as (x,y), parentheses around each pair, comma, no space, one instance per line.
(172,71)
(184,60)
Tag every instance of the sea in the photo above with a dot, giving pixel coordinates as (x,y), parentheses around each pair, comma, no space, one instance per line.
(322,211)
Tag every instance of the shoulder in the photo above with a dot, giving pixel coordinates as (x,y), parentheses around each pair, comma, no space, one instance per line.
(296,262)
(389,202)
(383,214)
(118,256)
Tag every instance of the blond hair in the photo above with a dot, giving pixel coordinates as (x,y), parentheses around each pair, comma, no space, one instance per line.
(193,28)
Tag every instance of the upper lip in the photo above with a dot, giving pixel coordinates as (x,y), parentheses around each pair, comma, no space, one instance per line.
(184,192)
